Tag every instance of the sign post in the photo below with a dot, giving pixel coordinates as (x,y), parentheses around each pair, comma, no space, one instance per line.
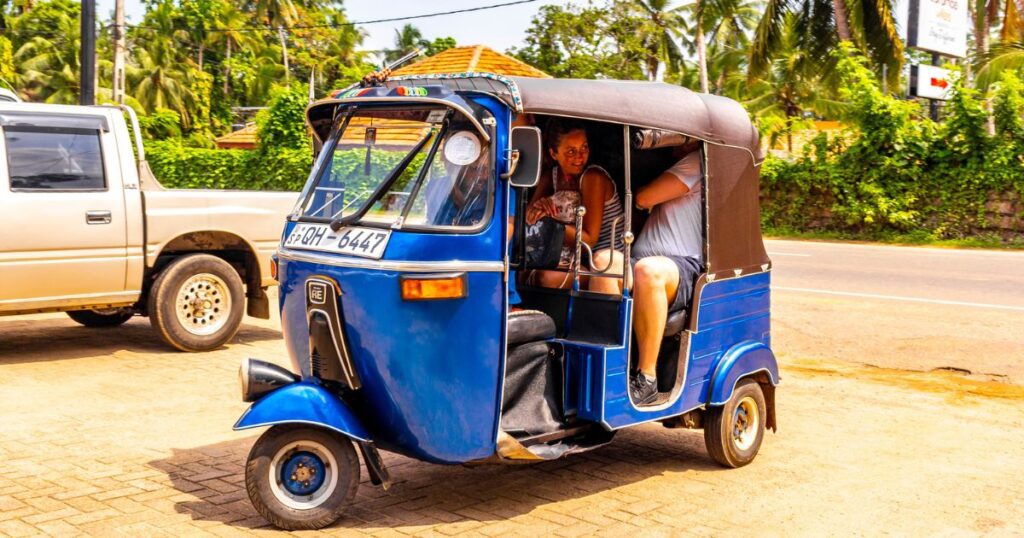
(938,27)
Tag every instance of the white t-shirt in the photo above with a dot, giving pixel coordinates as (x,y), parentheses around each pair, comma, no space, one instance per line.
(674,227)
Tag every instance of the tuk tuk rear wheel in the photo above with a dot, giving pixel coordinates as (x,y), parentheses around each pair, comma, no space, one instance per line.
(301,477)
(733,432)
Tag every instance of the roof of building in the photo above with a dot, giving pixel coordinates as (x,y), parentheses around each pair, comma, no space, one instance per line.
(244,138)
(473,58)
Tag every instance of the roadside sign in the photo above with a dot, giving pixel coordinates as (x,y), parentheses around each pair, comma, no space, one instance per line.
(938,26)
(930,82)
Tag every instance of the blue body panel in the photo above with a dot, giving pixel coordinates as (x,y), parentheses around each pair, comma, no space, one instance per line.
(431,371)
(306,403)
(740,360)
(730,312)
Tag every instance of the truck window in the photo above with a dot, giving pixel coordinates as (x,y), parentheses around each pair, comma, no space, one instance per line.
(54,158)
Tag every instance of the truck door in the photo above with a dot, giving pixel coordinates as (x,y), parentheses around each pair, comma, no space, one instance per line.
(62,212)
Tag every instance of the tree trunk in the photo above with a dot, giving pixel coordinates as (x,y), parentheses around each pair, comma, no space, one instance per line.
(702,53)
(201,47)
(118,89)
(227,68)
(842,23)
(284,50)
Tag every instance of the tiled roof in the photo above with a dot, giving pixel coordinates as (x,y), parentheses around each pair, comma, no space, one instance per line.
(474,58)
(244,138)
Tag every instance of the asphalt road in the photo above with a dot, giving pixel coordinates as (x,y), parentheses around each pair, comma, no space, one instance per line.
(911,308)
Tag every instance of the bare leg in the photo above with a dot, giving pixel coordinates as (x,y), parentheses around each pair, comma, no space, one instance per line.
(609,285)
(554,279)
(656,282)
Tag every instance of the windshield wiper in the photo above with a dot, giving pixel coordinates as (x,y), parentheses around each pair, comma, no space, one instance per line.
(337,223)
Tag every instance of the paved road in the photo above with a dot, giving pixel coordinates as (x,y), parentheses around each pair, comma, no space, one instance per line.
(901,307)
(108,433)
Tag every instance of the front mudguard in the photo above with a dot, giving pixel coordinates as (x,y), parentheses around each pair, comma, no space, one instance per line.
(304,402)
(746,359)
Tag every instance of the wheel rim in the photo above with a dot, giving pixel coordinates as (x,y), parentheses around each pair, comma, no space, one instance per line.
(746,421)
(203,304)
(303,475)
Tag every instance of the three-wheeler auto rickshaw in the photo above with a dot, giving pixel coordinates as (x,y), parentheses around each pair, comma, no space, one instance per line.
(395,272)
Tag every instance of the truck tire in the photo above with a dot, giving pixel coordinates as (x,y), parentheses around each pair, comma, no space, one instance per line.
(108,317)
(196,303)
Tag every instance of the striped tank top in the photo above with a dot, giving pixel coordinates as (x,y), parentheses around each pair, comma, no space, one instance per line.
(612,210)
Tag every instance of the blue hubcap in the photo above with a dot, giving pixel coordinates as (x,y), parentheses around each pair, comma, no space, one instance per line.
(302,473)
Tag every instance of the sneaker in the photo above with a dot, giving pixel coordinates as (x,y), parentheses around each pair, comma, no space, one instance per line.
(643,390)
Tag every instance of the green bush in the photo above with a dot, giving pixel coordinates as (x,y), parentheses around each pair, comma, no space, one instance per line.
(895,171)
(178,166)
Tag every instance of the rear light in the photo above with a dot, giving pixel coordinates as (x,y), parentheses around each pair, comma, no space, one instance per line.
(432,287)
(273,268)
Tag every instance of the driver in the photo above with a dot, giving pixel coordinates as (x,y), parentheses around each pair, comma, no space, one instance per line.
(667,258)
(458,197)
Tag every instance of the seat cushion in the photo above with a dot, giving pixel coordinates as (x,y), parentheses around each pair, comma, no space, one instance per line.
(675,324)
(529,326)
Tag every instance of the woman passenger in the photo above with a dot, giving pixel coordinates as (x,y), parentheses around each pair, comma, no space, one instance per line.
(570,181)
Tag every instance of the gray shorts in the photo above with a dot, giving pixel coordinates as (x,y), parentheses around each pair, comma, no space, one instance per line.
(689,269)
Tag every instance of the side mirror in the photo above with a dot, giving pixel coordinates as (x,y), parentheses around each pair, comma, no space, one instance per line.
(525,159)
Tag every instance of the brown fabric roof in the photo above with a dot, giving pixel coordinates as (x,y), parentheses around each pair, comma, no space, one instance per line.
(470,59)
(713,118)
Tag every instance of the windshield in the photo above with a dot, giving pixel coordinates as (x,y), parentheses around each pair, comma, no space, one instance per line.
(419,167)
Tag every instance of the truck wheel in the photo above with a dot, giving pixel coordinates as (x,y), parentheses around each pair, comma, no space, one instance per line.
(196,303)
(107,317)
(301,477)
(733,432)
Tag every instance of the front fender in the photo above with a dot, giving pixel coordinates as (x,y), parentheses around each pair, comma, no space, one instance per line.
(739,361)
(303,402)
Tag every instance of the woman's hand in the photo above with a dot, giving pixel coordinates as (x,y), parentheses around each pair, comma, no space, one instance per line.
(539,209)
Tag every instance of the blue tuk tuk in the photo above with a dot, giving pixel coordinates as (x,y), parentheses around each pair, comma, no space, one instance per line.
(396,268)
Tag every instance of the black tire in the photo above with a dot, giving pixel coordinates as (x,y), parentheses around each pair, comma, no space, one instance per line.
(215,313)
(721,423)
(101,318)
(278,447)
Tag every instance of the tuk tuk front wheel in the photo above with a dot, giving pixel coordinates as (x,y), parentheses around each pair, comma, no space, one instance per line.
(301,477)
(733,432)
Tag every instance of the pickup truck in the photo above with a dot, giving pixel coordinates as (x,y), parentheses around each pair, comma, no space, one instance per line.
(87,230)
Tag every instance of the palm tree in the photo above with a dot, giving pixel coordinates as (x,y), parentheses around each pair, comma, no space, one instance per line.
(280,14)
(408,39)
(821,24)
(660,33)
(49,68)
(727,25)
(160,74)
(229,30)
(792,87)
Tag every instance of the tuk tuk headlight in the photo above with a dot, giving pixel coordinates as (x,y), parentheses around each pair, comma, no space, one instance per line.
(258,378)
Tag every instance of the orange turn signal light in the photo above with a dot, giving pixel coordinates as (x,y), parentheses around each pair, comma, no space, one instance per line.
(426,288)
(273,268)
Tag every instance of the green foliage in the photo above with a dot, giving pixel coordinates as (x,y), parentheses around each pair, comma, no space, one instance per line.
(6,60)
(440,44)
(177,166)
(283,125)
(160,124)
(594,41)
(1008,106)
(894,171)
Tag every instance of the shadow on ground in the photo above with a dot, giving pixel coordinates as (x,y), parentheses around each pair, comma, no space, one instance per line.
(425,494)
(59,338)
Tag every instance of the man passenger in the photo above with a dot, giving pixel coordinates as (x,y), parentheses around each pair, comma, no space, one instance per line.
(667,258)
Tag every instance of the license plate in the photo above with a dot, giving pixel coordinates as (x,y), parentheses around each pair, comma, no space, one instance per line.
(352,240)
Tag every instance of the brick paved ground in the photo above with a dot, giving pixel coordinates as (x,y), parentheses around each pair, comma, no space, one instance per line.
(108,433)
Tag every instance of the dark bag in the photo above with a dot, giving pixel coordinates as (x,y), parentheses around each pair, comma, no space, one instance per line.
(544,243)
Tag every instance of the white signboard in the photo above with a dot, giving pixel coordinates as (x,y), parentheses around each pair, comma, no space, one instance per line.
(939,26)
(933,82)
